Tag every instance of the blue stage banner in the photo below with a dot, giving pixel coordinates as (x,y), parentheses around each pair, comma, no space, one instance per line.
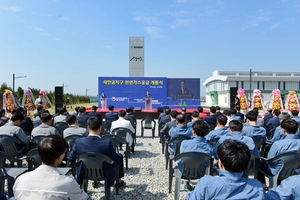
(125,92)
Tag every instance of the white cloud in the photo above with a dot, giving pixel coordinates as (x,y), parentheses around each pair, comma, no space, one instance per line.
(180,23)
(274,26)
(13,8)
(37,28)
(146,19)
(153,31)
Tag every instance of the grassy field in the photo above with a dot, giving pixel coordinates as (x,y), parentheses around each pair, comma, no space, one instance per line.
(70,108)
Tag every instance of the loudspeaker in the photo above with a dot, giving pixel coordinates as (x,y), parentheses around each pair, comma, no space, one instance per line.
(59,97)
(160,109)
(233,94)
(137,109)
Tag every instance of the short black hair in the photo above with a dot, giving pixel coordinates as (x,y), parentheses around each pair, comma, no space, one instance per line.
(251,116)
(61,110)
(94,108)
(167,111)
(128,109)
(233,111)
(276,112)
(94,123)
(165,107)
(200,109)
(2,111)
(234,155)
(122,113)
(51,147)
(18,109)
(290,126)
(218,108)
(111,107)
(183,109)
(195,114)
(174,113)
(77,108)
(295,112)
(82,109)
(222,119)
(71,119)
(180,118)
(39,107)
(235,126)
(227,112)
(17,116)
(212,109)
(45,117)
(201,128)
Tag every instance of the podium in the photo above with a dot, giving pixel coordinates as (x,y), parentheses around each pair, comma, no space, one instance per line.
(104,103)
(148,103)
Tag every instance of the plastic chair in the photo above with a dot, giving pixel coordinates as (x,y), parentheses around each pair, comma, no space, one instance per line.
(34,161)
(259,142)
(82,124)
(61,126)
(213,141)
(148,123)
(36,140)
(175,142)
(290,162)
(13,147)
(8,173)
(71,139)
(116,140)
(133,123)
(195,166)
(105,129)
(270,130)
(253,164)
(123,132)
(92,165)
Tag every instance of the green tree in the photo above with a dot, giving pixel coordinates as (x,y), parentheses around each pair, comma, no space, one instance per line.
(19,93)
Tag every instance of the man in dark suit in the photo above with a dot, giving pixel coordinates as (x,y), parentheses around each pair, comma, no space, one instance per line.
(183,90)
(95,113)
(275,119)
(268,115)
(211,118)
(164,119)
(111,115)
(131,117)
(82,117)
(94,143)
(238,113)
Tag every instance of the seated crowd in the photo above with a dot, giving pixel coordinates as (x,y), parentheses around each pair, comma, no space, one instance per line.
(234,135)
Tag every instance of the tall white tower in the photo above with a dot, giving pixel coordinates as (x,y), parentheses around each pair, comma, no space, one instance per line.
(136,56)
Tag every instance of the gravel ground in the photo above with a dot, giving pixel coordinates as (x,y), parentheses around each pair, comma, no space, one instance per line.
(146,177)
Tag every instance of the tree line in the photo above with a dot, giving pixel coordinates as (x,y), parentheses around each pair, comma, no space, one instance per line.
(73,99)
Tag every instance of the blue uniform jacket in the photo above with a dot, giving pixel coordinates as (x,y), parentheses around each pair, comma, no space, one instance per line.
(229,185)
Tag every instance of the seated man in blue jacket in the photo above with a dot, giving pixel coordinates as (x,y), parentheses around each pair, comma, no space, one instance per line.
(235,133)
(94,143)
(252,129)
(234,157)
(288,143)
(196,144)
(288,189)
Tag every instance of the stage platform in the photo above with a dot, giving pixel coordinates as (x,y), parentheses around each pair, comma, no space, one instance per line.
(140,113)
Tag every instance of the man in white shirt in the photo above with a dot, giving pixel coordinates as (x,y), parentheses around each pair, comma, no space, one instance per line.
(123,123)
(46,182)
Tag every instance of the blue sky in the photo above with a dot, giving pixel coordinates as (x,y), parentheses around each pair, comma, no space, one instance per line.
(72,42)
